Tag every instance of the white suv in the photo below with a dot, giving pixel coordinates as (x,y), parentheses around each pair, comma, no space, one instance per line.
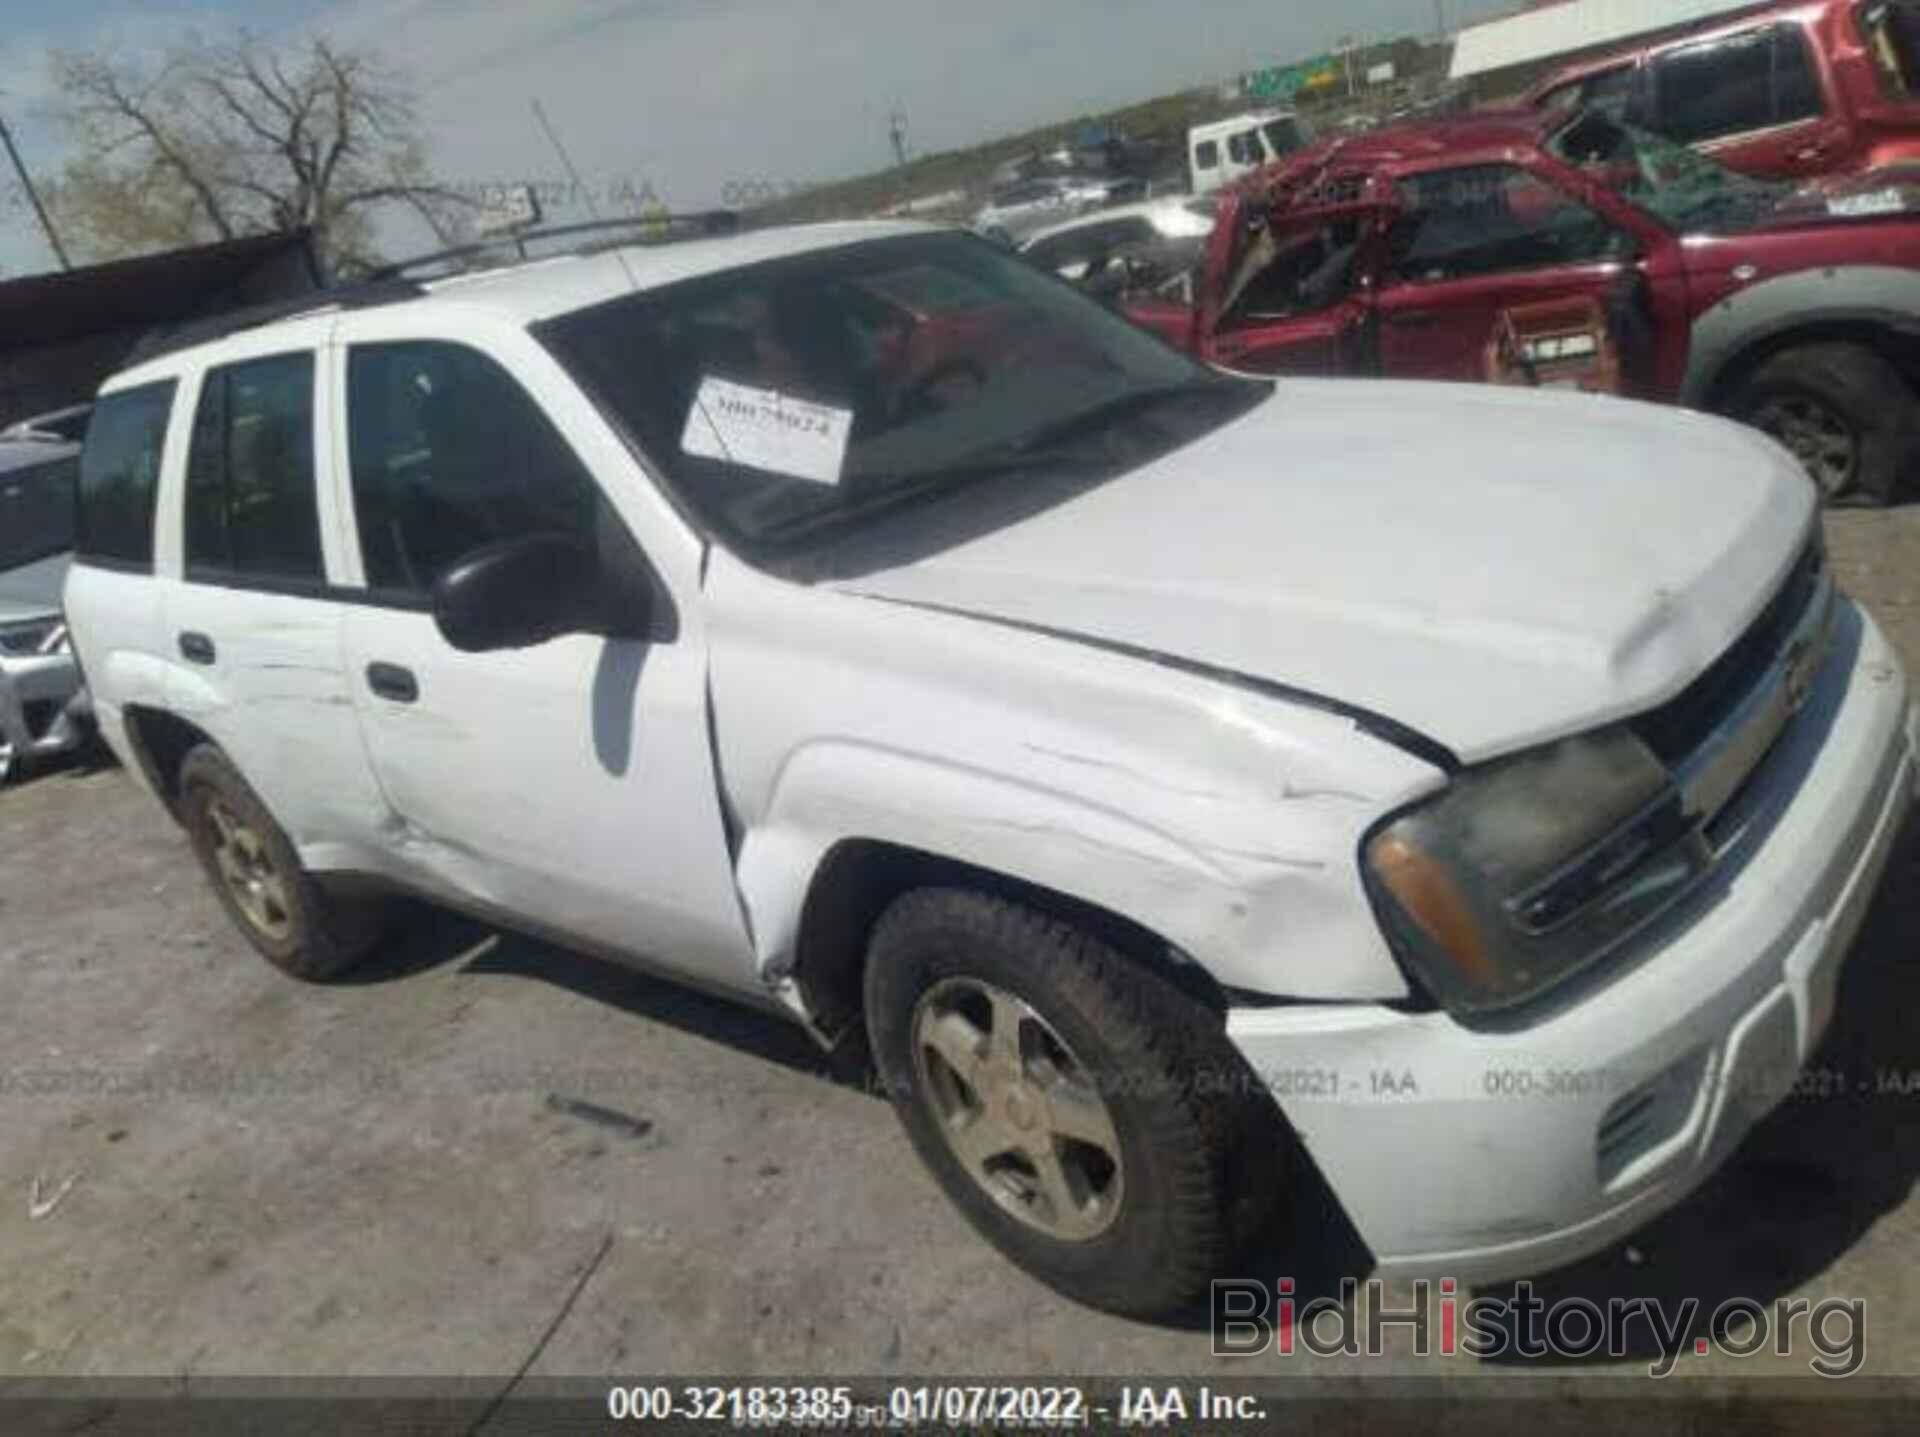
(1155,766)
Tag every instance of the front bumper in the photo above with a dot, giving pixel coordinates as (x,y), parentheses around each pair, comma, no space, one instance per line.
(41,707)
(1483,1155)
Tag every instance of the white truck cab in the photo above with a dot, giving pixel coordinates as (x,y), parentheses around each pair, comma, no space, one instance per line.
(1221,151)
(1138,759)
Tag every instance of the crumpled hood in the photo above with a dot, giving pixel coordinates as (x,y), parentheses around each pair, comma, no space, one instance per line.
(32,591)
(1493,568)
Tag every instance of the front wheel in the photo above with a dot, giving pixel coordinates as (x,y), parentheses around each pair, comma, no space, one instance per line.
(1088,1117)
(1844,412)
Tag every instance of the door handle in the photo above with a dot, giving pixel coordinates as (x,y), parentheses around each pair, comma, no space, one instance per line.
(390,681)
(1411,318)
(196,647)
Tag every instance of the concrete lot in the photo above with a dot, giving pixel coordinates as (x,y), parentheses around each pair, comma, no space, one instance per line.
(237,1174)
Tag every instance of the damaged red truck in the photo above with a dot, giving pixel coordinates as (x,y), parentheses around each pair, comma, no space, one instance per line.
(1409,253)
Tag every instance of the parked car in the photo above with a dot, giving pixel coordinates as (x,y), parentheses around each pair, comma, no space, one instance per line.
(1222,151)
(1145,760)
(1400,252)
(42,706)
(1786,91)
(1149,247)
(1018,210)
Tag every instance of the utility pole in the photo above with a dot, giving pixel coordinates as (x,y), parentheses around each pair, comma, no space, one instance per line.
(897,133)
(33,197)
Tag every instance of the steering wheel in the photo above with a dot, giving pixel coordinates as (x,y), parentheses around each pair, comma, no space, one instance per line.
(916,396)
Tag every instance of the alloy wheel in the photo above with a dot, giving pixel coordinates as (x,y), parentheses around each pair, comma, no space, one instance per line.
(259,890)
(1818,437)
(1018,1109)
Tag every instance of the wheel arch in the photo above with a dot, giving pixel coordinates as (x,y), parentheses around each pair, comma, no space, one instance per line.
(161,740)
(1874,305)
(858,878)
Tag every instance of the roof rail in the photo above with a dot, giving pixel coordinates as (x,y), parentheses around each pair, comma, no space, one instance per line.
(512,248)
(158,342)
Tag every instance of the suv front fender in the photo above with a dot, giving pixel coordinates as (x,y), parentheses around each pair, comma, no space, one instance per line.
(1827,299)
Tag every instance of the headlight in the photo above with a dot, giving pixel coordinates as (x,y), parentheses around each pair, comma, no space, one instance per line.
(1526,870)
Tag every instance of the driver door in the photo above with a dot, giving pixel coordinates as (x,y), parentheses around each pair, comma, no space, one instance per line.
(570,785)
(1468,244)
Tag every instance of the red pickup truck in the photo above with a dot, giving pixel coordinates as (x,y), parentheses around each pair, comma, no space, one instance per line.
(1784,91)
(1411,251)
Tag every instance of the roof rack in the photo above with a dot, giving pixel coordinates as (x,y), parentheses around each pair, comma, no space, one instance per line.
(158,342)
(512,248)
(389,284)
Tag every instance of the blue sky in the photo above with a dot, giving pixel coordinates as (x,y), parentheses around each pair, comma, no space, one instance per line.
(696,99)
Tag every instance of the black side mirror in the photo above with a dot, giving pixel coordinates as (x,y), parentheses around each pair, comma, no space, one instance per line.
(515,593)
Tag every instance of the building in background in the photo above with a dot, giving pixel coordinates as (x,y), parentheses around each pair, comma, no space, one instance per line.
(1502,58)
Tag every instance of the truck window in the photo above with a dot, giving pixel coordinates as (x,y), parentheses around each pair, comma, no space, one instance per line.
(1206,155)
(1745,82)
(251,508)
(1244,148)
(36,510)
(1891,29)
(1492,219)
(120,475)
(1283,137)
(449,453)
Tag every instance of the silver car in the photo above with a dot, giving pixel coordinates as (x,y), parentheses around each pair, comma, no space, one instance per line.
(1018,210)
(43,708)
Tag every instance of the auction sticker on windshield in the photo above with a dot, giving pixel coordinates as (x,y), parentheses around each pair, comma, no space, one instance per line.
(765,429)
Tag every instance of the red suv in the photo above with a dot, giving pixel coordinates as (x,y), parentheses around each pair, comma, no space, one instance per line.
(1785,92)
(1409,251)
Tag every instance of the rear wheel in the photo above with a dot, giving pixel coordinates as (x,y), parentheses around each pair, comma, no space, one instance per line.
(1843,411)
(270,897)
(1086,1115)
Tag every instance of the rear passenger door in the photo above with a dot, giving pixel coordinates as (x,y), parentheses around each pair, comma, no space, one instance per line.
(252,626)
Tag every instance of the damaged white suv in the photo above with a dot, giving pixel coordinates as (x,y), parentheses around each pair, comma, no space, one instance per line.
(859,621)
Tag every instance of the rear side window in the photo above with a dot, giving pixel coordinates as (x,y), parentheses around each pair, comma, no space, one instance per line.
(120,475)
(36,511)
(251,509)
(1206,154)
(449,453)
(1745,82)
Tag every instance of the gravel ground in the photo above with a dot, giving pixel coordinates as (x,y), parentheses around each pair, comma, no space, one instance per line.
(208,1169)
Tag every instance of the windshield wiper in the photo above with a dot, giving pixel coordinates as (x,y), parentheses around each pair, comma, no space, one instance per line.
(1120,407)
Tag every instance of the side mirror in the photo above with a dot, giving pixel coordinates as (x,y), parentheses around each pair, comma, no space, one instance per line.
(515,593)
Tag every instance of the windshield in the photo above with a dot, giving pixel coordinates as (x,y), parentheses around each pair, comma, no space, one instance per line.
(792,402)
(1686,190)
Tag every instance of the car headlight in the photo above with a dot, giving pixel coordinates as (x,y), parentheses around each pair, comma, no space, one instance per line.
(1525,870)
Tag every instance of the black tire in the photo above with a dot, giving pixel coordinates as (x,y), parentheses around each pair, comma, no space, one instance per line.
(1198,1149)
(322,935)
(1853,387)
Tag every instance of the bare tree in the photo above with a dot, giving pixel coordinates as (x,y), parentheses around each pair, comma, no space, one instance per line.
(227,139)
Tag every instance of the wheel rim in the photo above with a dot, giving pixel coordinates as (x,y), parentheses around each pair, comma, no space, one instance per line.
(1018,1109)
(259,890)
(6,759)
(1818,437)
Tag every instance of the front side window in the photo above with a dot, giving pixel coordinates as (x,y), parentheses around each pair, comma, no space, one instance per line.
(1745,82)
(1493,219)
(1244,148)
(793,401)
(448,454)
(120,476)
(252,513)
(1891,29)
